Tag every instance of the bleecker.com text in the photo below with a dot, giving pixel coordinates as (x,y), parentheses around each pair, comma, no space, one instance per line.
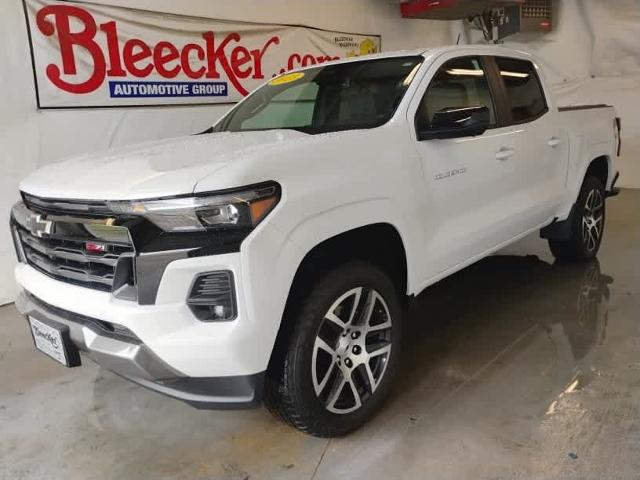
(136,58)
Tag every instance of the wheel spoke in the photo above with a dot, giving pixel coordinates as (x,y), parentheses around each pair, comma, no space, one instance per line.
(356,394)
(589,202)
(381,326)
(370,378)
(368,308)
(591,242)
(354,307)
(335,319)
(386,348)
(597,201)
(375,298)
(321,344)
(336,390)
(323,383)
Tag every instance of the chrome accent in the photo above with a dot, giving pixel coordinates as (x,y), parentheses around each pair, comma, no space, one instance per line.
(22,257)
(351,350)
(75,255)
(33,222)
(66,272)
(450,173)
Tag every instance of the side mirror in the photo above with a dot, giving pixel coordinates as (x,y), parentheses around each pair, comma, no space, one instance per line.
(456,122)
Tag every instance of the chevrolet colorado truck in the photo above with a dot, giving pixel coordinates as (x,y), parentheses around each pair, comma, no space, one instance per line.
(269,259)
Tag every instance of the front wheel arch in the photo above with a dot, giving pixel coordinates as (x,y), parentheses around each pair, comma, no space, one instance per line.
(379,244)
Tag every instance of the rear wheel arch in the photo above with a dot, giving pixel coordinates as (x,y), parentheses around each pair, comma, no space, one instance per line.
(599,167)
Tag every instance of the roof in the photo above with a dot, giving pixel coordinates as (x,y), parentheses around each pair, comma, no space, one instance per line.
(434,51)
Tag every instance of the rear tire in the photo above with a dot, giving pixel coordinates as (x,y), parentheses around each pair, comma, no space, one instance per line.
(587,225)
(342,353)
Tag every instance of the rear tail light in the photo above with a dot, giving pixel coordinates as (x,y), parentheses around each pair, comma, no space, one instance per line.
(212,297)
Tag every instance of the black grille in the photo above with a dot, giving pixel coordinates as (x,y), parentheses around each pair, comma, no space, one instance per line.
(80,251)
(71,207)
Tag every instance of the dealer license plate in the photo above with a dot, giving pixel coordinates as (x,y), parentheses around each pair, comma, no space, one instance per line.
(50,340)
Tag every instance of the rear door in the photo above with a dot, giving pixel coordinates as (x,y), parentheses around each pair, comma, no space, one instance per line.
(541,146)
(468,179)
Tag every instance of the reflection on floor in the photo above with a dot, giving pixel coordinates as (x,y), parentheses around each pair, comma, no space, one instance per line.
(514,368)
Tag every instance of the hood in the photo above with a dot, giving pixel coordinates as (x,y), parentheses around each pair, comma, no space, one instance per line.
(153,169)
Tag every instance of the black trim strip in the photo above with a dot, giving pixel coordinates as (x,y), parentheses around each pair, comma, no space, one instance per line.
(573,108)
(503,112)
(100,327)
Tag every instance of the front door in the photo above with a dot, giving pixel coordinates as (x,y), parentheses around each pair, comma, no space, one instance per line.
(466,178)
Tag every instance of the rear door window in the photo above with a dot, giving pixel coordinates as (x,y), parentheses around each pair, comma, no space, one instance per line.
(524,92)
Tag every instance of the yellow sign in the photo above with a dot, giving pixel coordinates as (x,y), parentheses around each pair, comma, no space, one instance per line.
(367,47)
(287,78)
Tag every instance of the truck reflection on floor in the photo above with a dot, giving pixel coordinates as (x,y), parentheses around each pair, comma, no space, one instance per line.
(509,321)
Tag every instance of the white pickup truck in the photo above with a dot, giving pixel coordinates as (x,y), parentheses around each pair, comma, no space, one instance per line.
(270,258)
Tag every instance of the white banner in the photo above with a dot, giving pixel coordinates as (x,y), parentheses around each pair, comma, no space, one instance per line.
(87,55)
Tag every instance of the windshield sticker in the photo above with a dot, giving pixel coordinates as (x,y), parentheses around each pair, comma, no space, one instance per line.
(288,78)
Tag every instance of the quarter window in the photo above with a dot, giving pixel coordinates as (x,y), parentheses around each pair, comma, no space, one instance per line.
(459,83)
(522,85)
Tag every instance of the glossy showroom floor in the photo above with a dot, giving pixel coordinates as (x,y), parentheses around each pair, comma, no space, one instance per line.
(514,368)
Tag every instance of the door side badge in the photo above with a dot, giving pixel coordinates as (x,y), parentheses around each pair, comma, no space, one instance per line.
(450,173)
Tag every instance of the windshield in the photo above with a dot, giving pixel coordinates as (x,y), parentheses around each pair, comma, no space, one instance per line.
(363,94)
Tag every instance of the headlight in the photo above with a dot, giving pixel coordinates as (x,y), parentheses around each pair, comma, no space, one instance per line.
(244,207)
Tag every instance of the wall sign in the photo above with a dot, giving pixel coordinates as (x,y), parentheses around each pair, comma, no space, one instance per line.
(87,55)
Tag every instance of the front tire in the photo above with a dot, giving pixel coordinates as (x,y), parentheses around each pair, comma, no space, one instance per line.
(342,353)
(587,225)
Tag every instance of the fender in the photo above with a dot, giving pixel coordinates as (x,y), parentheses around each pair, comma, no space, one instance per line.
(271,258)
(561,230)
(329,223)
(581,157)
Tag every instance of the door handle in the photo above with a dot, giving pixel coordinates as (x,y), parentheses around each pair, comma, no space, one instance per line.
(554,142)
(505,153)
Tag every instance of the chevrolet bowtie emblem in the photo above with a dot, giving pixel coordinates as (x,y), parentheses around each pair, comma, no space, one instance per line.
(39,226)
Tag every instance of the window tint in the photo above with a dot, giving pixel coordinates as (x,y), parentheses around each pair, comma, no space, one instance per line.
(524,91)
(459,83)
(290,108)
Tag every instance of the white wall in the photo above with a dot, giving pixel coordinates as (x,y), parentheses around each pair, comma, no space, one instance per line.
(30,138)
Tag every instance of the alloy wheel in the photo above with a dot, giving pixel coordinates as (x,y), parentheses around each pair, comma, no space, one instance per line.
(351,350)
(593,220)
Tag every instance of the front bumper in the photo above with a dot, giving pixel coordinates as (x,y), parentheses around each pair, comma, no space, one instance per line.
(121,352)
